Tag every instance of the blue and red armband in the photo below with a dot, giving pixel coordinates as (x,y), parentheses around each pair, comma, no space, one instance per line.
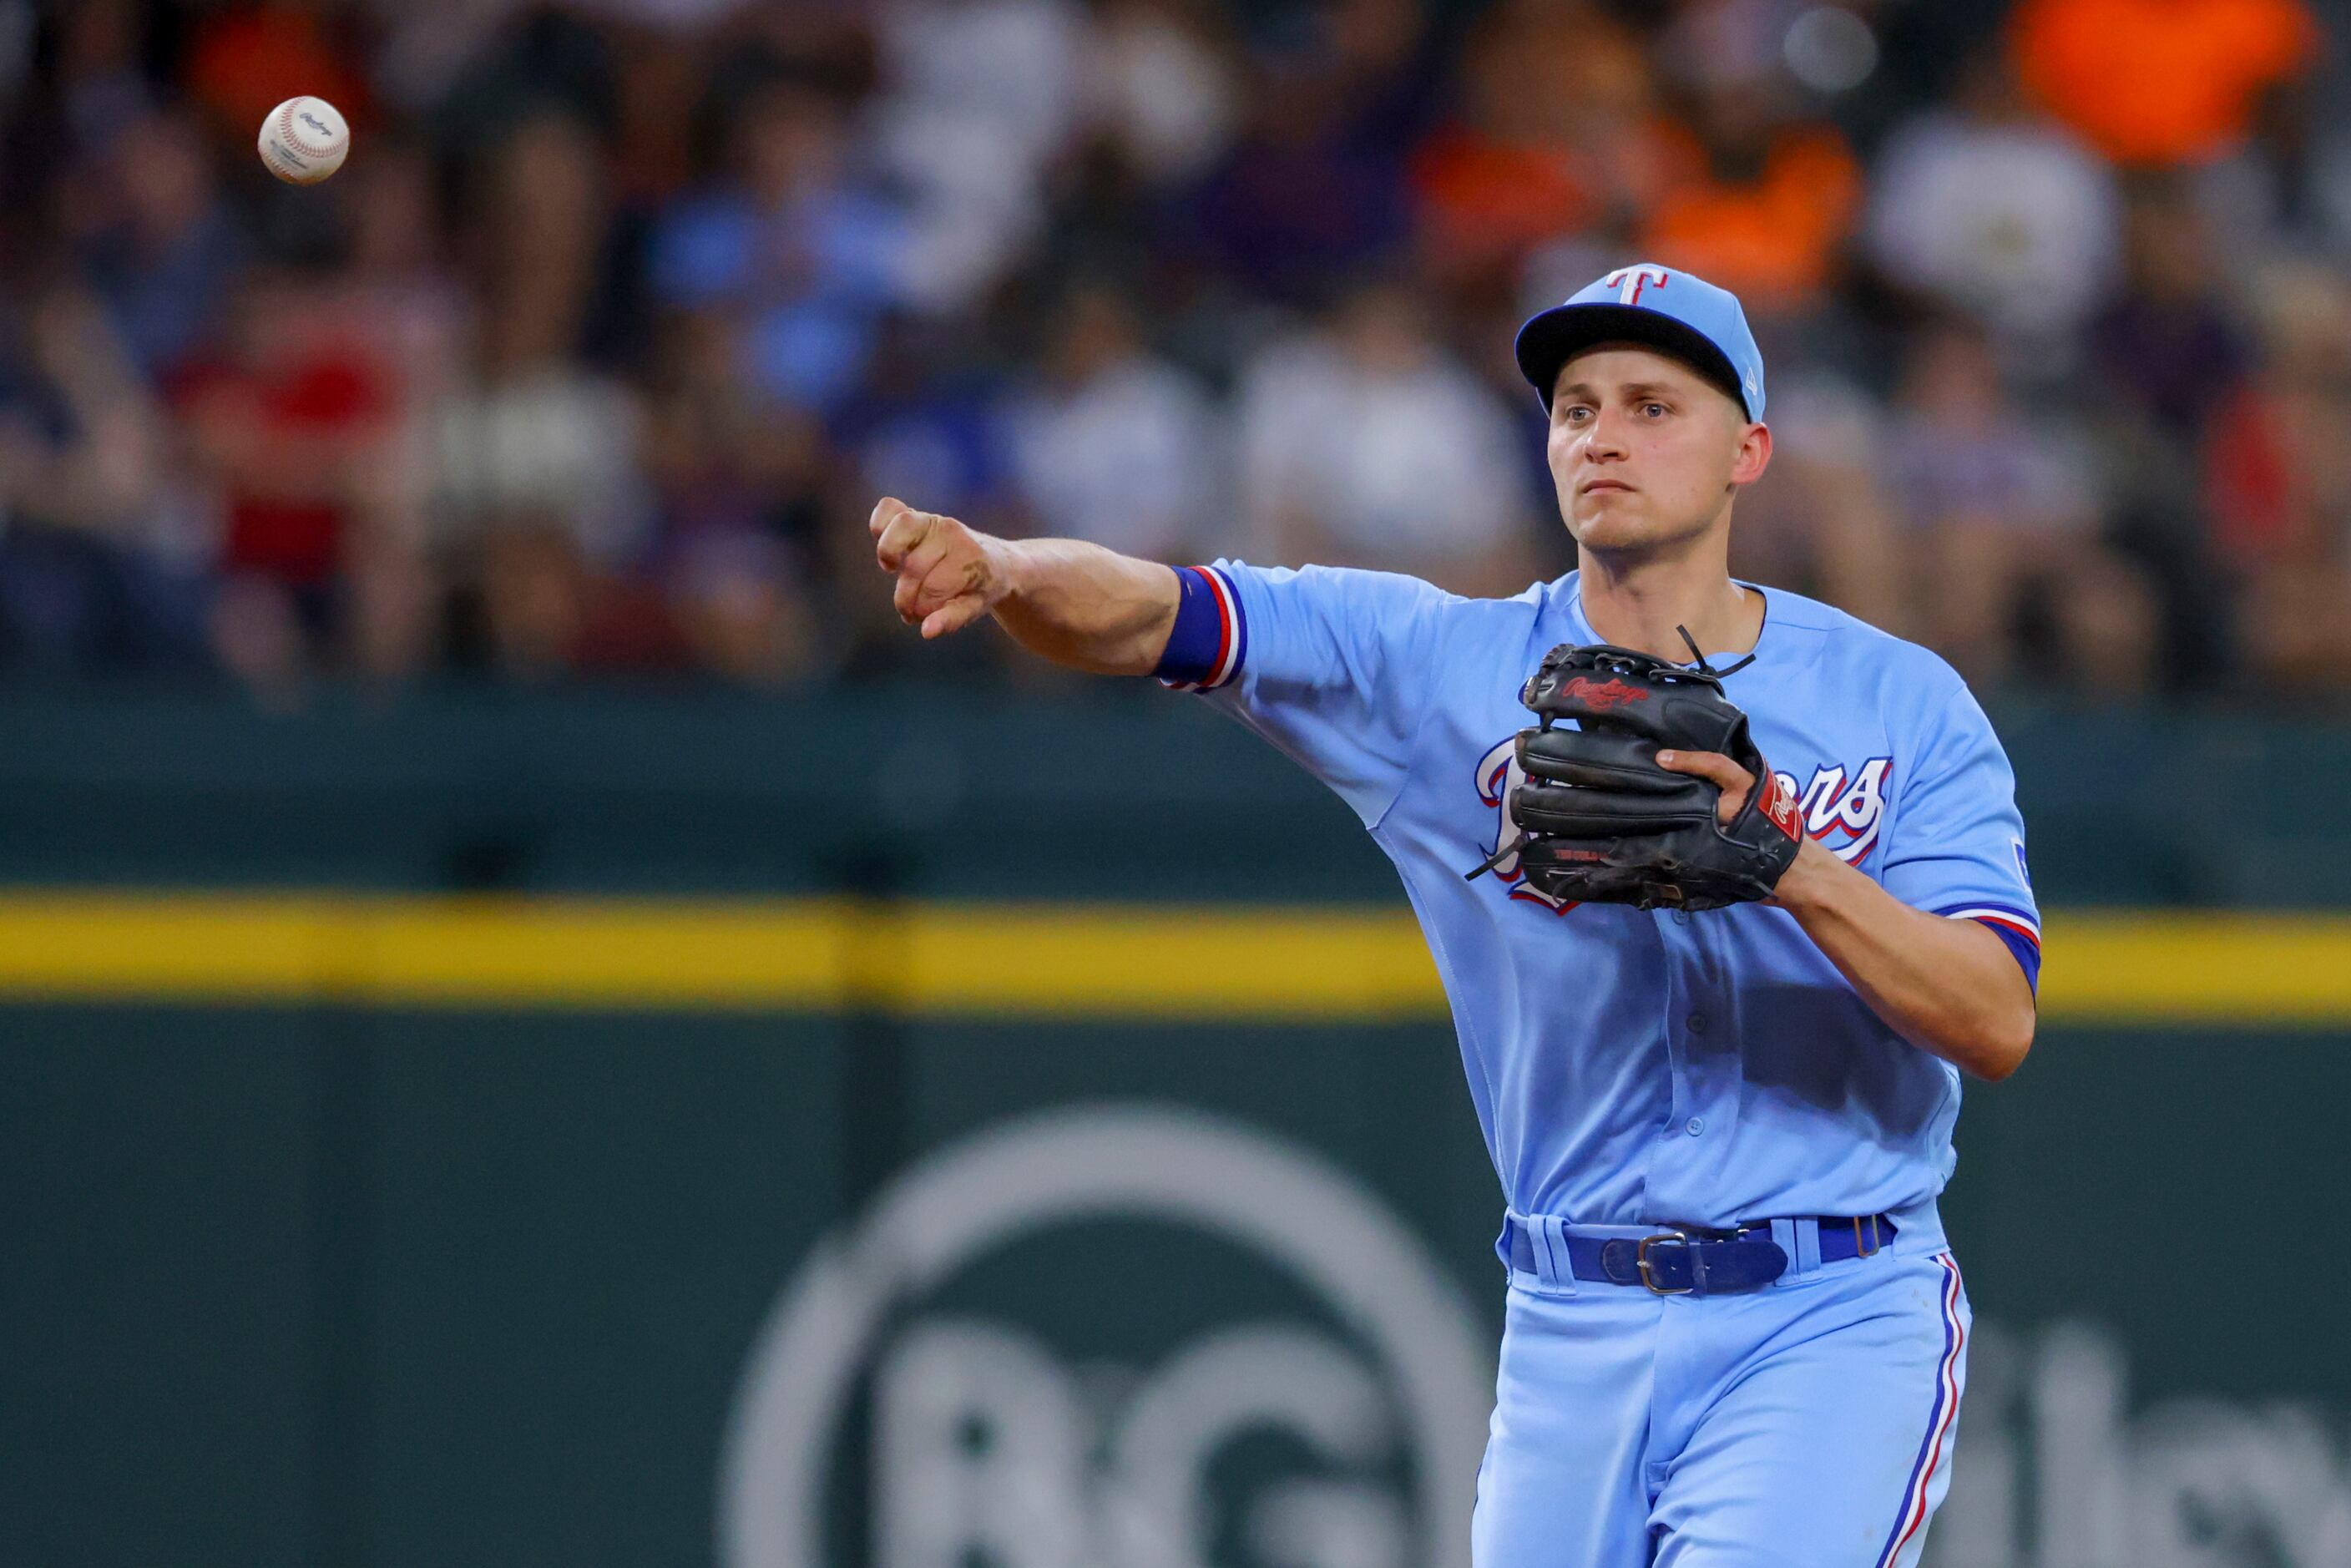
(2020,930)
(1210,638)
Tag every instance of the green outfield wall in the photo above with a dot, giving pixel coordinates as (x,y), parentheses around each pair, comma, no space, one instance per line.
(512,1131)
(304,1285)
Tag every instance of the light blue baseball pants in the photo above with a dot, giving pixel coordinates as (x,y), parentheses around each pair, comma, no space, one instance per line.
(1806,1425)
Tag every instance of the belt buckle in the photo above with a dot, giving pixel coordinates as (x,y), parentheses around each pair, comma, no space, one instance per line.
(1641,1262)
(1876,1238)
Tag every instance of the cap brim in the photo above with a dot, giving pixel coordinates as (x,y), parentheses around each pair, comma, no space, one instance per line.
(1564,331)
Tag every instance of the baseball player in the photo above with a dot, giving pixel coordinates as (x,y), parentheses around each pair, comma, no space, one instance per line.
(1716,1063)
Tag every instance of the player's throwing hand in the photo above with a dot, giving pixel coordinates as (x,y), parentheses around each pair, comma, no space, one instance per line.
(949,575)
(1075,604)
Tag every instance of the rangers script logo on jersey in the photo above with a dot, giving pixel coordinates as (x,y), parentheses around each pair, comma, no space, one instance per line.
(1844,813)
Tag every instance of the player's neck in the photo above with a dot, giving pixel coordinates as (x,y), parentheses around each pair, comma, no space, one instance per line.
(1640,604)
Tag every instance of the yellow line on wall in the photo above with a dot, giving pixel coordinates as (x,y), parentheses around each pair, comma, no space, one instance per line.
(453,951)
(2207,967)
(1107,961)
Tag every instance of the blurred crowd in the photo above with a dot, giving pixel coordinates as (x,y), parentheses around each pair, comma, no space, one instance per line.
(592,361)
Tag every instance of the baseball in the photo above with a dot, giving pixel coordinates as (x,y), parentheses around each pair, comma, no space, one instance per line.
(304,140)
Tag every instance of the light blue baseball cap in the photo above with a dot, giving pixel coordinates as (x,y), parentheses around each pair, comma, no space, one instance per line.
(1671,311)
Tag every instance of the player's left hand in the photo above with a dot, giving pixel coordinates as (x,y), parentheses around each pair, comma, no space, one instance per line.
(1735,782)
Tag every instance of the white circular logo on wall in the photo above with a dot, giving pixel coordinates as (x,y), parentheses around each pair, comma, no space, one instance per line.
(988,1449)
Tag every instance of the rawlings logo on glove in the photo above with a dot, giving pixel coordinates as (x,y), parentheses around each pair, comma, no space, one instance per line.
(1600,697)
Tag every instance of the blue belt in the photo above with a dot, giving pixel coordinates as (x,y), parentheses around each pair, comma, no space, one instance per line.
(1692,1259)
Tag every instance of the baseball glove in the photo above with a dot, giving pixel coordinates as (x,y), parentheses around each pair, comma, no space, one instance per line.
(1600,822)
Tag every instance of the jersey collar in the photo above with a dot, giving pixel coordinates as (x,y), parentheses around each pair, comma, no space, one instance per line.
(1580,625)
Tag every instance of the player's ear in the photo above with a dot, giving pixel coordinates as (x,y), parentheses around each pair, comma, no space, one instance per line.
(1754,453)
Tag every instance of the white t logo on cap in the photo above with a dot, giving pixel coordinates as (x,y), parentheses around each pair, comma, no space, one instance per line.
(1628,281)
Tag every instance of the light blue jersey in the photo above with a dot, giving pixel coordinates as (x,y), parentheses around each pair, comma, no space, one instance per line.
(1735,1335)
(1635,1067)
(1646,1072)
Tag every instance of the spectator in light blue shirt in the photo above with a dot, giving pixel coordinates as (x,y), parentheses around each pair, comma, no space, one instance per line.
(165,252)
(793,245)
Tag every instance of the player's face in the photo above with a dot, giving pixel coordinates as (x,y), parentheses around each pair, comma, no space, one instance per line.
(1645,452)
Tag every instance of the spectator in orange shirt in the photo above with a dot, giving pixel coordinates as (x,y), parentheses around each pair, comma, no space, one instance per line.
(1558,132)
(244,58)
(1765,204)
(2160,82)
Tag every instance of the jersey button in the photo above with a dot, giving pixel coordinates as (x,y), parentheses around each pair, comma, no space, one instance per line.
(1697,1023)
(1694,1126)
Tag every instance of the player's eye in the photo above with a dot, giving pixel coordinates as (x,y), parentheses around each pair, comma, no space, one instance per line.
(1653,410)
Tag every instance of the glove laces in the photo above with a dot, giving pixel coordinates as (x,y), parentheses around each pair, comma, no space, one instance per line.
(1699,658)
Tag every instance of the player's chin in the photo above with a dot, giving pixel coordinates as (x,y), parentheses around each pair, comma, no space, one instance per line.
(1612,520)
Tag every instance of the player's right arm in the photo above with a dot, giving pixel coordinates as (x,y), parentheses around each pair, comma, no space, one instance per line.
(1075,604)
(1333,665)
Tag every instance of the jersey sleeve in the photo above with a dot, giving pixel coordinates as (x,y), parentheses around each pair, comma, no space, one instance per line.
(1956,845)
(1331,665)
